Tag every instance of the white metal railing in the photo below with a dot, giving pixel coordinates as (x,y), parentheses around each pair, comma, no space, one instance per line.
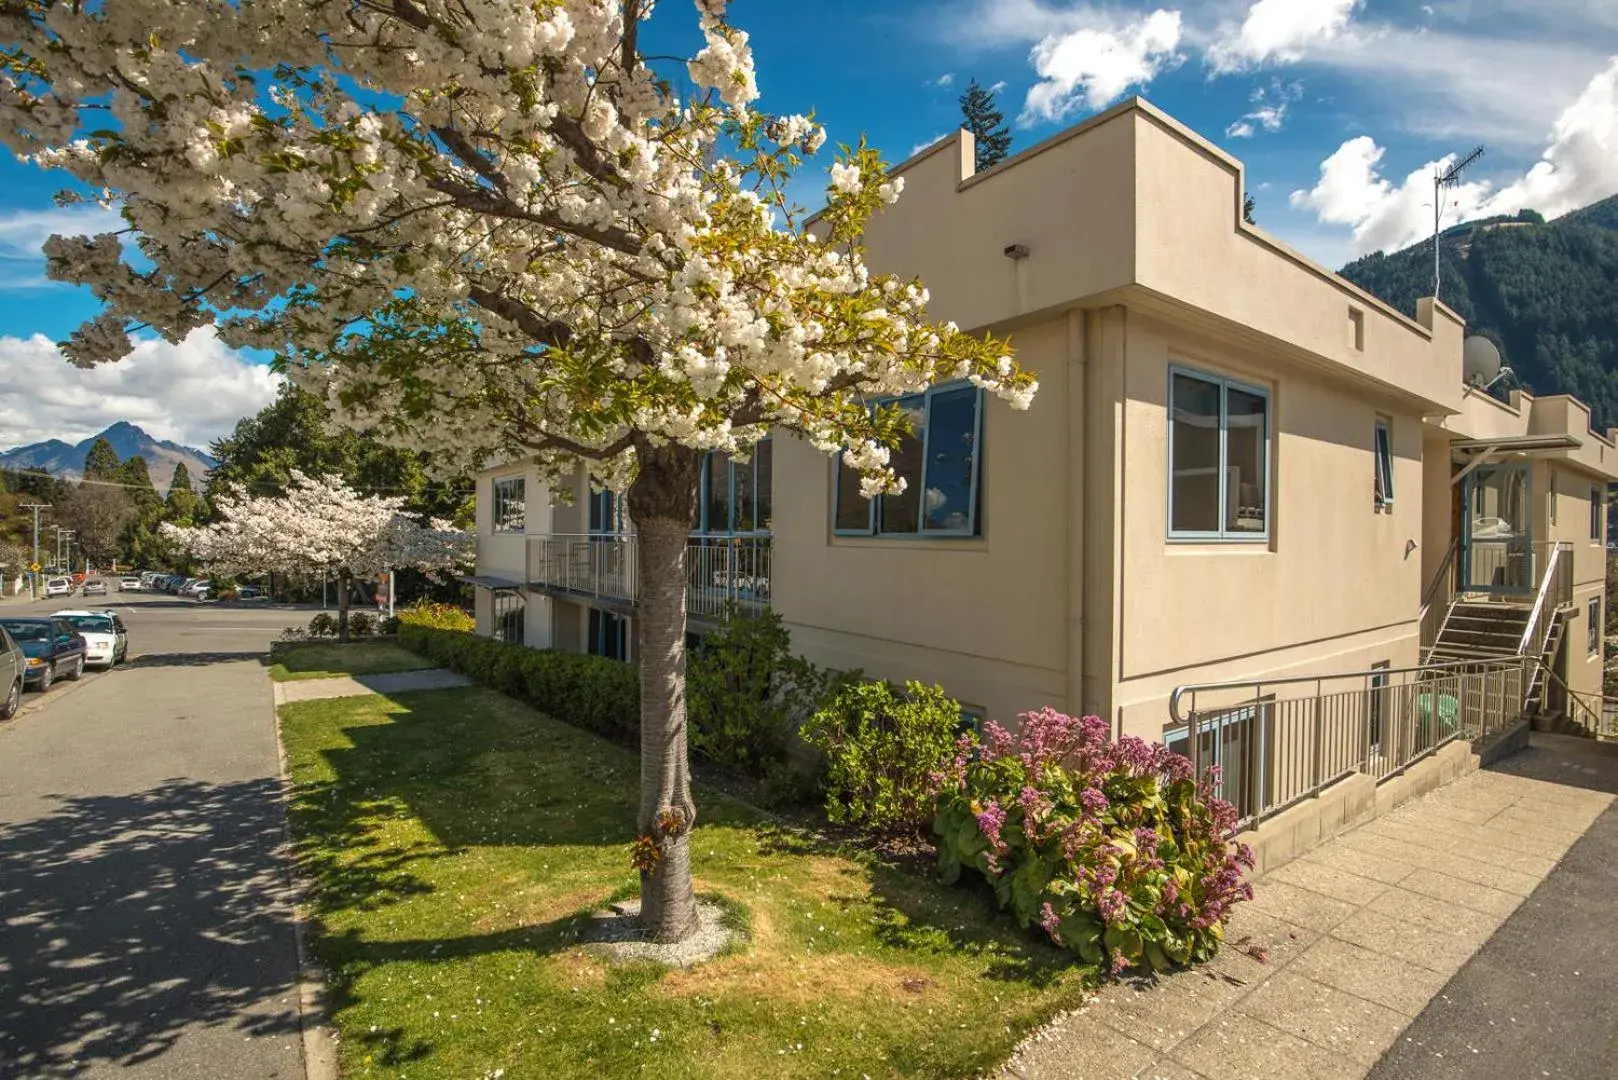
(722,571)
(1279,741)
(1436,598)
(1554,593)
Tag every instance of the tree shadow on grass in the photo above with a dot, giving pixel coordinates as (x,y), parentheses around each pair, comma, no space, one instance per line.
(130,919)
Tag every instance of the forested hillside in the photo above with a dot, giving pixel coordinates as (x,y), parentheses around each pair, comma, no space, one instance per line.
(1547,293)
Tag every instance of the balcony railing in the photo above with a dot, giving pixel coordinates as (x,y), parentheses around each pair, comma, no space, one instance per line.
(721,571)
(1280,741)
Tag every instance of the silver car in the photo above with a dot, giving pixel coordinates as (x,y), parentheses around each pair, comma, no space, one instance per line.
(13,666)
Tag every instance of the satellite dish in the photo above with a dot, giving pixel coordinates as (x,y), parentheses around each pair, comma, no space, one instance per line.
(1480,361)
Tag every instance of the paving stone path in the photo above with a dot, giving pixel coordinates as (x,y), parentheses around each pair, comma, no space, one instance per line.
(397,682)
(1362,935)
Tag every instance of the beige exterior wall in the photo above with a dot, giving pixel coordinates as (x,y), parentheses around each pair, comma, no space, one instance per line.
(1131,256)
(986,616)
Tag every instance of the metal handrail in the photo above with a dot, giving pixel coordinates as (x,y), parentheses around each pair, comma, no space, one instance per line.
(1445,567)
(1298,680)
(1537,631)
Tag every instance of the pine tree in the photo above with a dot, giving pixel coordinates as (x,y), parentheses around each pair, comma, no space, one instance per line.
(183,501)
(102,461)
(1248,202)
(987,123)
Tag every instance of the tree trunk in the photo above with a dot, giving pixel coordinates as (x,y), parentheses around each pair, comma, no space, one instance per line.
(342,605)
(663,505)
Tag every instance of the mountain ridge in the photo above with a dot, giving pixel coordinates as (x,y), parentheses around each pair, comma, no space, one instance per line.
(66,460)
(1545,292)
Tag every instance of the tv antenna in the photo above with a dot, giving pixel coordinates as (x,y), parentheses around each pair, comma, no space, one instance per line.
(1450,177)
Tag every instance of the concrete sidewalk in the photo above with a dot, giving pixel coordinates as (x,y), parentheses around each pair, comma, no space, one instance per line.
(1361,934)
(398,682)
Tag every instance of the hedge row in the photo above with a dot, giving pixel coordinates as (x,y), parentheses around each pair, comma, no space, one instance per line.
(590,692)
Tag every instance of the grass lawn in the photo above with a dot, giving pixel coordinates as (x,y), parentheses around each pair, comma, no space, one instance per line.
(295,662)
(455,840)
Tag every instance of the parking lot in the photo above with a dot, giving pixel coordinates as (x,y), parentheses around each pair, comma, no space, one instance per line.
(147,931)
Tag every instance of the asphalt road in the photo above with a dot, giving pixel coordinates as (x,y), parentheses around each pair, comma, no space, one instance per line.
(1541,997)
(144,925)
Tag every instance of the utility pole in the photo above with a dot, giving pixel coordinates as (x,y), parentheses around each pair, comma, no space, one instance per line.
(33,572)
(1448,178)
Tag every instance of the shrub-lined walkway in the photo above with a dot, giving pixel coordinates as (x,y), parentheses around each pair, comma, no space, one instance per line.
(1362,934)
(456,840)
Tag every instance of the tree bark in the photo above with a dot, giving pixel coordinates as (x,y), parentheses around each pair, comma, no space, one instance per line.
(663,505)
(342,605)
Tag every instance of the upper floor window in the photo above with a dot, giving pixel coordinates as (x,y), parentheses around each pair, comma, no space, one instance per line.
(1598,513)
(1219,458)
(939,461)
(510,504)
(737,496)
(1550,507)
(609,512)
(1593,634)
(1384,463)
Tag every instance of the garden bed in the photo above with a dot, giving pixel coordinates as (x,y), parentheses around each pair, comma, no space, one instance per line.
(456,844)
(331,660)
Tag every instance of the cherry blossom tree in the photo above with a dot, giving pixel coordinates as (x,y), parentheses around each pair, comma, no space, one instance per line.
(480,228)
(319,526)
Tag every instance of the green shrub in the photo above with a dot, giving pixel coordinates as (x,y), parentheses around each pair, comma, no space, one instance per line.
(590,692)
(746,694)
(323,625)
(389,625)
(884,750)
(361,624)
(1115,849)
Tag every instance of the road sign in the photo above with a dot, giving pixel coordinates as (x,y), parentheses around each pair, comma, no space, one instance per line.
(34,567)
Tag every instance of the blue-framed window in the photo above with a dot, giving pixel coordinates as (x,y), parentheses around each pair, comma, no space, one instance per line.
(1384,463)
(1219,458)
(737,496)
(1236,740)
(609,512)
(940,461)
(608,635)
(510,503)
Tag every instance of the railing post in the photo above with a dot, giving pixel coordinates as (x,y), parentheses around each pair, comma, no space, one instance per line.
(1320,728)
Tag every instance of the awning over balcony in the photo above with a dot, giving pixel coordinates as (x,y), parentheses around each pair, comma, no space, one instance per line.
(488,581)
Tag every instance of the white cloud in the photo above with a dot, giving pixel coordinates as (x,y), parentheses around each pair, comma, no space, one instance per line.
(997,87)
(943,80)
(980,24)
(1579,166)
(919,147)
(1270,105)
(1279,31)
(1090,68)
(192,393)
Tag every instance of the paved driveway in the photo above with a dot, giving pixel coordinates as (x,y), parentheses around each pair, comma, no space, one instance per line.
(143,921)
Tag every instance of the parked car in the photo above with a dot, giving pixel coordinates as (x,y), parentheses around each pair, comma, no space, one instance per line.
(130,584)
(13,673)
(106,639)
(53,648)
(197,590)
(250,592)
(58,586)
(95,588)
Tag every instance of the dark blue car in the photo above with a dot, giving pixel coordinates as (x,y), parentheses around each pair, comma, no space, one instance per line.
(54,649)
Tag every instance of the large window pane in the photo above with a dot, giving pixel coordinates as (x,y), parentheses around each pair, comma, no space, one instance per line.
(718,506)
(1246,428)
(509,510)
(951,461)
(763,510)
(901,513)
(853,512)
(1194,471)
(742,476)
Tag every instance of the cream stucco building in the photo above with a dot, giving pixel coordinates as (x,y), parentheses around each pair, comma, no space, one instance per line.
(1239,466)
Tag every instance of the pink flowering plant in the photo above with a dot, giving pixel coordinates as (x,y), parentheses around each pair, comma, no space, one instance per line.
(1114,848)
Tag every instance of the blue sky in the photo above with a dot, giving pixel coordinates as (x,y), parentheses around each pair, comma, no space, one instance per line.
(1338,107)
